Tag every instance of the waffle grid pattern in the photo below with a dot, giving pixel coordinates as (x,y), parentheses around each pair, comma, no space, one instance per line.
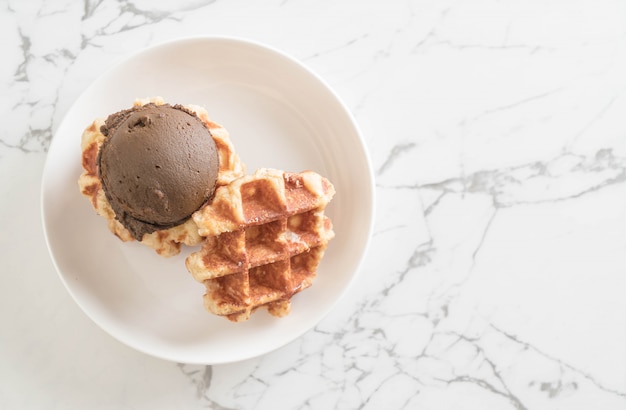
(267,233)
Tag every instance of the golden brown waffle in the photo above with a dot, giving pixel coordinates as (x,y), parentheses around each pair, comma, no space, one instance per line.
(265,236)
(165,242)
(262,235)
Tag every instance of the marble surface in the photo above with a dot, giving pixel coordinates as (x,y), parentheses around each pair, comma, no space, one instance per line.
(496,273)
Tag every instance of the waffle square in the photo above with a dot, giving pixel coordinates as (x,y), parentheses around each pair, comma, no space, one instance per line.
(265,235)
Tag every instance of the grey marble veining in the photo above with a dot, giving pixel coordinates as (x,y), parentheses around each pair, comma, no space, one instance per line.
(496,271)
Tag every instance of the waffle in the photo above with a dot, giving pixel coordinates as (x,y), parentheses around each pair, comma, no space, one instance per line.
(165,242)
(265,235)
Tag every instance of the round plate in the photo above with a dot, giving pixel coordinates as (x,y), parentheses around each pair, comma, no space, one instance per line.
(279,115)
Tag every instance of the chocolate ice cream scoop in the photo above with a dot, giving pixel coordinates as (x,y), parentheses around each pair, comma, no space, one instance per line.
(158,165)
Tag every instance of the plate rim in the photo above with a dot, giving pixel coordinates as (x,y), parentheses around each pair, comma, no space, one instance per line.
(240,41)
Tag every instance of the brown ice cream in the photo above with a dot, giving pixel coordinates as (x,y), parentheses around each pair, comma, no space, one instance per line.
(157,165)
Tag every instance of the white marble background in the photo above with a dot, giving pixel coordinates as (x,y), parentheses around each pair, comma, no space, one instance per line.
(497,271)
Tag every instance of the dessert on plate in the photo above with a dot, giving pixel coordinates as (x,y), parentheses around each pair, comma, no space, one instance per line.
(167,175)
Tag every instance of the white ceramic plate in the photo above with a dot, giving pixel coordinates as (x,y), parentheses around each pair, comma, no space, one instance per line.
(279,115)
